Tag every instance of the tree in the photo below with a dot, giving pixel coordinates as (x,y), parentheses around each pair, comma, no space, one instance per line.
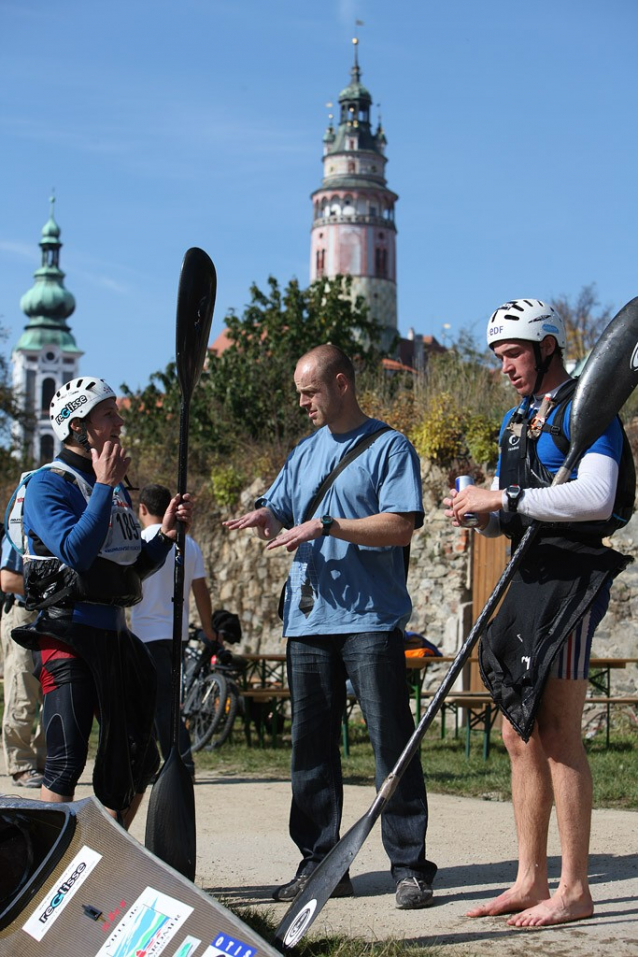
(12,461)
(247,393)
(584,321)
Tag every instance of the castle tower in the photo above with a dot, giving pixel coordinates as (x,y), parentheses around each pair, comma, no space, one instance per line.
(353,230)
(46,355)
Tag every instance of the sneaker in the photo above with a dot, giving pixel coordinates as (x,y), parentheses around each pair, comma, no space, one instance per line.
(27,779)
(289,891)
(412,893)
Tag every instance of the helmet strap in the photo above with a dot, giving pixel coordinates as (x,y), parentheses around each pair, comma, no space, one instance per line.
(82,437)
(542,366)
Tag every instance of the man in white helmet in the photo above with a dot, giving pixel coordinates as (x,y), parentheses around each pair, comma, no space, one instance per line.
(535,656)
(84,563)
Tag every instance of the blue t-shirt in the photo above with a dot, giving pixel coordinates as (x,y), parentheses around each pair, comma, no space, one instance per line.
(11,559)
(347,588)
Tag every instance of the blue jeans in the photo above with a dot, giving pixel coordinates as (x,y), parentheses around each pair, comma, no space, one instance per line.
(318,668)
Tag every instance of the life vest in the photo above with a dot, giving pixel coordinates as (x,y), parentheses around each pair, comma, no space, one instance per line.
(520,465)
(111,579)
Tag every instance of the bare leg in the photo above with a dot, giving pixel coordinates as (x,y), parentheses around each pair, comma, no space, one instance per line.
(124,817)
(532,801)
(52,798)
(560,730)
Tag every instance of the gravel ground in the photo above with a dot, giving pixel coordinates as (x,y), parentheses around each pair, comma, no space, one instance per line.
(244,851)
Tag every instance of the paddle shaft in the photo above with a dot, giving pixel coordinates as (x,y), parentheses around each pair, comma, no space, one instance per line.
(170,821)
(179,575)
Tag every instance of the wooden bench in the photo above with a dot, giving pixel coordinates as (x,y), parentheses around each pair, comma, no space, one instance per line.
(262,696)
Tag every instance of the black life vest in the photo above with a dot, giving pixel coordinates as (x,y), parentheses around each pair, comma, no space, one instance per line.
(520,465)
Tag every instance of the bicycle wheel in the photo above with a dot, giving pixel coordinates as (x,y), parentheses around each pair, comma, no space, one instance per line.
(222,730)
(204,709)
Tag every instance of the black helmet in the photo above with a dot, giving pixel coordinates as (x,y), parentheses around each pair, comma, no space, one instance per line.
(226,624)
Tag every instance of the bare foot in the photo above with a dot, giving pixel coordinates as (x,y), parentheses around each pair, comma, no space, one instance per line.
(509,902)
(556,910)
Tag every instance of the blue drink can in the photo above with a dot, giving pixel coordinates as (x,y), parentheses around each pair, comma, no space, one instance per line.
(470,520)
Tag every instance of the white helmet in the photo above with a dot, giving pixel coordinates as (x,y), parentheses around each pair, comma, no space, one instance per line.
(528,319)
(75,400)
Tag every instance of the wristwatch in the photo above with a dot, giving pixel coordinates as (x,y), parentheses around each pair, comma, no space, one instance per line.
(326,522)
(513,494)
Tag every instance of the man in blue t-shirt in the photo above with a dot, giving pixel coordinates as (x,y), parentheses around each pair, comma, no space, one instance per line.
(345,609)
(535,654)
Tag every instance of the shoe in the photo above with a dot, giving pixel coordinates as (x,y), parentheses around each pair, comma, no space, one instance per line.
(289,891)
(27,779)
(413,893)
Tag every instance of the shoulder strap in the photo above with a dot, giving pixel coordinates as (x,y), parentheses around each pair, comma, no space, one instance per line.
(350,456)
(556,429)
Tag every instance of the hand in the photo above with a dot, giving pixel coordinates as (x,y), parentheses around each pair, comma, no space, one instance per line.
(180,509)
(261,519)
(292,538)
(110,464)
(479,501)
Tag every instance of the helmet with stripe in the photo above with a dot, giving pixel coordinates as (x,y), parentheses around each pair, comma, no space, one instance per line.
(75,400)
(529,319)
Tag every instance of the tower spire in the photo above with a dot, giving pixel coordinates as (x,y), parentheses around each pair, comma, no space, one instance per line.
(353,231)
(46,354)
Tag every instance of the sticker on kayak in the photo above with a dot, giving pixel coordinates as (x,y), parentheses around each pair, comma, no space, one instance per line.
(58,896)
(187,947)
(226,946)
(148,927)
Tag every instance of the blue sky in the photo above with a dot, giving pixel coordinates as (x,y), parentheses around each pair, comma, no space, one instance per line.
(511,133)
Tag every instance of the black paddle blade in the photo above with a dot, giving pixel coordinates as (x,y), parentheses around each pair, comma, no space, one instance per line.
(608,379)
(195,304)
(170,821)
(309,903)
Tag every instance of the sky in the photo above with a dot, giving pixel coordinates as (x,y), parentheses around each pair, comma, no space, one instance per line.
(512,143)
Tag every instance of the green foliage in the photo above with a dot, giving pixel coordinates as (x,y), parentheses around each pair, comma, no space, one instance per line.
(253,379)
(440,436)
(481,436)
(227,483)
(462,402)
(246,395)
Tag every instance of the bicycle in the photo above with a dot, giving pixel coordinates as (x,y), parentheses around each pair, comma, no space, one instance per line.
(210,692)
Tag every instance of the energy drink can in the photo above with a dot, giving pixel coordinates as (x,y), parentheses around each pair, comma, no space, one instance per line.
(470,520)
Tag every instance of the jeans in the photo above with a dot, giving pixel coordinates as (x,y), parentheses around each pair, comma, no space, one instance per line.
(318,668)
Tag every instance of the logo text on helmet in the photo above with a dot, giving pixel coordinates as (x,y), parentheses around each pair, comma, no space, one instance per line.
(495,330)
(69,408)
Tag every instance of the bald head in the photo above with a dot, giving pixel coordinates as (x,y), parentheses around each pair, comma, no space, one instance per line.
(329,362)
(325,381)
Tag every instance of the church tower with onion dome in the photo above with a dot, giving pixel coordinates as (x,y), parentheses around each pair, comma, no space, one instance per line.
(46,355)
(353,230)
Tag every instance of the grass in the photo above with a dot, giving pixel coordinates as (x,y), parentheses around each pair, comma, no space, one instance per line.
(336,946)
(446,767)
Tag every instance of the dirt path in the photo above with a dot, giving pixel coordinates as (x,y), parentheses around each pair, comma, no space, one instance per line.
(244,850)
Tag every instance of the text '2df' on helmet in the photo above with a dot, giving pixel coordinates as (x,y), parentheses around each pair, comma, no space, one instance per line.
(75,400)
(528,319)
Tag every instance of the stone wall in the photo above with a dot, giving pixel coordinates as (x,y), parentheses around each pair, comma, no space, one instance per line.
(246,579)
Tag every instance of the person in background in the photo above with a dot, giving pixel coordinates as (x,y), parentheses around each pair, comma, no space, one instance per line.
(152,618)
(22,742)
